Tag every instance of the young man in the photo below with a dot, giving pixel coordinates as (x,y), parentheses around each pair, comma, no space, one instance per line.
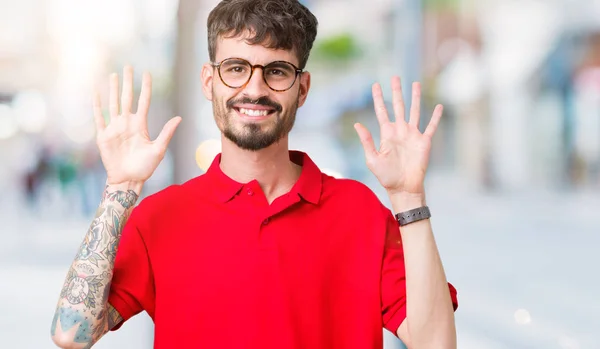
(263,251)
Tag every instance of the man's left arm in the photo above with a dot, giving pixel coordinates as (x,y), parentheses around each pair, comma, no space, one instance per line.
(400,165)
(429,319)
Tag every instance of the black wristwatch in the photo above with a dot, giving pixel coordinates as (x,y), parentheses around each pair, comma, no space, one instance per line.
(413,215)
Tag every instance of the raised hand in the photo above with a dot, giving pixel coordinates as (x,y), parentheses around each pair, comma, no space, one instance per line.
(401,162)
(125,147)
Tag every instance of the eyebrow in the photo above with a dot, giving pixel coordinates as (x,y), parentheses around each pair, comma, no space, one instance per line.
(279,64)
(235,60)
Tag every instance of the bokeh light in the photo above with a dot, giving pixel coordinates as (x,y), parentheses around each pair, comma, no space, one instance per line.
(206,152)
(80,133)
(522,317)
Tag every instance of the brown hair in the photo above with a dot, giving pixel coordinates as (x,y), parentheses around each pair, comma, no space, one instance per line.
(278,24)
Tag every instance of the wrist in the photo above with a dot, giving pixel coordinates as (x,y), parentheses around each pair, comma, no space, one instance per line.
(404,201)
(127,186)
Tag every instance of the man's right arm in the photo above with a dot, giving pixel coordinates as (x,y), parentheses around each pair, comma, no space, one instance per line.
(83,315)
(130,157)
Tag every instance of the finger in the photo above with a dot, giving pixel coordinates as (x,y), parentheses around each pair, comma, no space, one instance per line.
(145,95)
(366,140)
(435,121)
(380,110)
(415,105)
(113,97)
(127,93)
(398,100)
(98,117)
(167,132)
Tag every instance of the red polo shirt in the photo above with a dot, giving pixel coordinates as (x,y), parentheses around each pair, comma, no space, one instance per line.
(216,266)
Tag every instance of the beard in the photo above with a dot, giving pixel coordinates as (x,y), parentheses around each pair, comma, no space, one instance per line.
(254,136)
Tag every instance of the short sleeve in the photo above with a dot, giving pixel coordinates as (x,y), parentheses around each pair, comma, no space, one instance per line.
(393,279)
(132,287)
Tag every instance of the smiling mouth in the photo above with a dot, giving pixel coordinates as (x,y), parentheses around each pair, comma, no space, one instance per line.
(254,112)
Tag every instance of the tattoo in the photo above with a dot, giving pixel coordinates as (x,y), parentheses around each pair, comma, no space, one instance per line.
(69,318)
(78,290)
(84,289)
(106,293)
(114,318)
(84,268)
(103,237)
(114,231)
(84,296)
(109,318)
(126,199)
(88,250)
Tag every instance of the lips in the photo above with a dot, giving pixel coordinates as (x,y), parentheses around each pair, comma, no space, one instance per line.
(250,106)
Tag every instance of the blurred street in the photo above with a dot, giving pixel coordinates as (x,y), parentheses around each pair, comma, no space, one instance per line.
(523,283)
(514,174)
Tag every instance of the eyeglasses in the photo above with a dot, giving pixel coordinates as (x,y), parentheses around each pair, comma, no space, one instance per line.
(236,73)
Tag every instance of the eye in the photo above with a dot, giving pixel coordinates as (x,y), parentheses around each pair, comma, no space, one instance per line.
(236,69)
(274,71)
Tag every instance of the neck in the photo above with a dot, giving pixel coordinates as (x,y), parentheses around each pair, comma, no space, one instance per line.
(271,167)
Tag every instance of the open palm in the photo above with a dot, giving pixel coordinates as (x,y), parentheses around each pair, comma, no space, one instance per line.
(401,162)
(125,147)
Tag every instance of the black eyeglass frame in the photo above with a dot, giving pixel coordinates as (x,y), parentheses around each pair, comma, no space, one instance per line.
(298,71)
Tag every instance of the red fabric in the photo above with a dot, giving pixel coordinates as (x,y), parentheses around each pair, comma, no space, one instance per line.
(216,266)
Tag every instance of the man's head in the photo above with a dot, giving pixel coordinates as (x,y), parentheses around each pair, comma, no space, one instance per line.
(255,106)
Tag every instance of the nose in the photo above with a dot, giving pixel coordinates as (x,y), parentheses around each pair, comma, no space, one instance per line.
(256,86)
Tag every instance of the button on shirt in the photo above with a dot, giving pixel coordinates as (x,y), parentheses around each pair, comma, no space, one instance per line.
(216,266)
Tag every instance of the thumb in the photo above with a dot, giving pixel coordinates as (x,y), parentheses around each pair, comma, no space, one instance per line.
(167,132)
(367,140)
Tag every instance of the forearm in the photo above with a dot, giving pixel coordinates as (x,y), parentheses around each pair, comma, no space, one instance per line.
(82,315)
(430,314)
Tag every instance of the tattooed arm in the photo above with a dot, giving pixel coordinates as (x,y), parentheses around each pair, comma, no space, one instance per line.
(83,315)
(129,157)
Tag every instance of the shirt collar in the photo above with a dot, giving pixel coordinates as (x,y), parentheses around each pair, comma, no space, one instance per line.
(308,186)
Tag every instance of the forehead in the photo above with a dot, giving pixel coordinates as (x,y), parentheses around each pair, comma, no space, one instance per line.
(256,54)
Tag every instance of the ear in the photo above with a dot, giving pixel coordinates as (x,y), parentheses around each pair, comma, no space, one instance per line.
(304,87)
(207,76)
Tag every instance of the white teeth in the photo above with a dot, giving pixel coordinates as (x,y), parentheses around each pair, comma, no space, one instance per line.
(251,112)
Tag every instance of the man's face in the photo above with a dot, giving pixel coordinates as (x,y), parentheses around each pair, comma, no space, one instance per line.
(253,116)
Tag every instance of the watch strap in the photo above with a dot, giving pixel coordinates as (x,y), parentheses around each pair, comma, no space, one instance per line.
(413,215)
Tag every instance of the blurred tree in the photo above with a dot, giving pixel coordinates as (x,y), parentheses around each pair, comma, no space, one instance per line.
(441,4)
(335,48)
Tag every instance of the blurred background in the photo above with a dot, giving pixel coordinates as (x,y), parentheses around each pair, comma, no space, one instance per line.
(514,180)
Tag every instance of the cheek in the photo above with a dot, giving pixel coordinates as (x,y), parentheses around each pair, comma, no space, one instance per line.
(221,96)
(291,100)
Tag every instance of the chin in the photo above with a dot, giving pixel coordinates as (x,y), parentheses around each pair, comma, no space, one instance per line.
(252,136)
